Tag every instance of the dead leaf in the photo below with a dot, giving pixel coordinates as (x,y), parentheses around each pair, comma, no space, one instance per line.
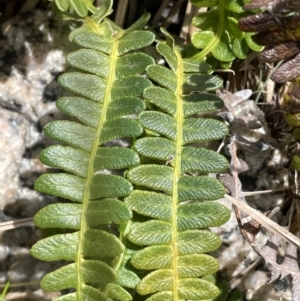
(270,37)
(279,52)
(259,22)
(275,6)
(265,221)
(249,122)
(226,116)
(289,266)
(228,182)
(253,147)
(244,94)
(269,254)
(251,229)
(287,71)
(230,100)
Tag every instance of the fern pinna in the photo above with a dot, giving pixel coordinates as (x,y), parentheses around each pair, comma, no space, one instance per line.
(176,203)
(109,88)
(220,35)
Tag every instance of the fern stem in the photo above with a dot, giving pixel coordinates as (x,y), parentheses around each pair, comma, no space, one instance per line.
(216,39)
(86,199)
(177,170)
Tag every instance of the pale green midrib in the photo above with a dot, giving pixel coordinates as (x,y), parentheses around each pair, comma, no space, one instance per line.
(177,171)
(90,174)
(216,39)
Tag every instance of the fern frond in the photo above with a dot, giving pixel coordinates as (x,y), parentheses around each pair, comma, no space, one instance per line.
(177,205)
(108,89)
(220,34)
(80,7)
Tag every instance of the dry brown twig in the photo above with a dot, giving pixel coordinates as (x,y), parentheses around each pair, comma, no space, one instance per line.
(28,221)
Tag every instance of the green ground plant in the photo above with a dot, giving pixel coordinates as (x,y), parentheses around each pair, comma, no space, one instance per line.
(138,232)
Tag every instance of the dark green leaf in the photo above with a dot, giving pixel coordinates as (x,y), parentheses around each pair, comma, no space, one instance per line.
(153,176)
(198,129)
(88,85)
(132,64)
(63,278)
(135,40)
(98,243)
(95,41)
(201,82)
(125,106)
(59,216)
(240,48)
(159,122)
(107,211)
(202,215)
(205,3)
(115,158)
(116,292)
(72,133)
(190,65)
(164,76)
(152,204)
(162,98)
(94,271)
(127,278)
(157,148)
(167,52)
(109,186)
(207,21)
(200,102)
(118,128)
(84,109)
(56,247)
(152,232)
(91,61)
(139,24)
(223,50)
(129,86)
(62,185)
(204,160)
(67,158)
(199,188)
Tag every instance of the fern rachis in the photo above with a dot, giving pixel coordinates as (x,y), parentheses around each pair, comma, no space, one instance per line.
(107,96)
(171,238)
(168,241)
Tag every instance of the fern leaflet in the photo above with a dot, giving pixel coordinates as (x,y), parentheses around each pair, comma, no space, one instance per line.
(108,90)
(175,201)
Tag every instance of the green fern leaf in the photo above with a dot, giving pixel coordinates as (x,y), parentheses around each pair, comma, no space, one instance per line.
(177,205)
(67,158)
(64,216)
(81,7)
(62,185)
(110,211)
(201,215)
(85,110)
(127,278)
(220,35)
(197,241)
(88,292)
(109,87)
(141,202)
(116,292)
